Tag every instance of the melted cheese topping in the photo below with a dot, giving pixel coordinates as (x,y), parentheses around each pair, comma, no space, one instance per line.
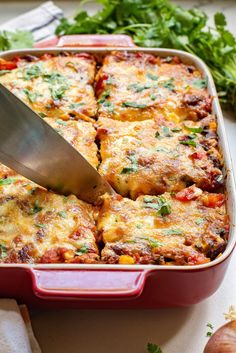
(59,86)
(39,226)
(161,230)
(151,157)
(155,135)
(80,134)
(138,86)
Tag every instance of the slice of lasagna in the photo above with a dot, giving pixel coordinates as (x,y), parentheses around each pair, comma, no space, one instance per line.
(38,226)
(154,156)
(139,86)
(190,228)
(80,134)
(55,86)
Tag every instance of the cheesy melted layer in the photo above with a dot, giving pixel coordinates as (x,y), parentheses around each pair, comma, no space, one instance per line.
(154,156)
(39,226)
(55,86)
(139,86)
(161,230)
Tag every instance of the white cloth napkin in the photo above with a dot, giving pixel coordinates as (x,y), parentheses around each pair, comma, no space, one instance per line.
(16,334)
(41,21)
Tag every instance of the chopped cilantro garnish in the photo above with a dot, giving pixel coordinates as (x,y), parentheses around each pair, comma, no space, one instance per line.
(3,250)
(7,181)
(57,93)
(176,129)
(200,83)
(160,204)
(152,242)
(133,167)
(83,250)
(54,77)
(162,149)
(172,231)
(32,96)
(169,84)
(153,348)
(194,129)
(36,208)
(109,105)
(62,214)
(40,225)
(157,134)
(139,88)
(105,95)
(134,105)
(61,122)
(210,332)
(42,115)
(199,221)
(33,71)
(3,72)
(75,105)
(165,131)
(152,77)
(189,143)
(139,226)
(153,97)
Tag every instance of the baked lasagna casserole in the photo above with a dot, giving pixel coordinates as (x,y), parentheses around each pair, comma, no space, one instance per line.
(146,124)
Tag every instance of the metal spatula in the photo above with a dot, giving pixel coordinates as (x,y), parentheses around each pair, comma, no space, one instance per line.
(34,149)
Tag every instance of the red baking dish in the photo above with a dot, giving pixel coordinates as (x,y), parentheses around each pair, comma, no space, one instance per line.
(121,286)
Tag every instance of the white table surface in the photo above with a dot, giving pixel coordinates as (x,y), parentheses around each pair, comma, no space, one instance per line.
(175,330)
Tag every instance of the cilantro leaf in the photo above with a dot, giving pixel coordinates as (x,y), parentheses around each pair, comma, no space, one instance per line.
(16,40)
(153,348)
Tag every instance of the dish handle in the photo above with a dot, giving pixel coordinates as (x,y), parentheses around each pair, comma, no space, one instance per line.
(88,40)
(88,284)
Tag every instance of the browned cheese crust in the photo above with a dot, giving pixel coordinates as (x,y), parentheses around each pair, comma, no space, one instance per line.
(55,86)
(139,86)
(162,230)
(154,156)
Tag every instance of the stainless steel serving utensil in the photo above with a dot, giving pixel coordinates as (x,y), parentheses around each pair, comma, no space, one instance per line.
(34,149)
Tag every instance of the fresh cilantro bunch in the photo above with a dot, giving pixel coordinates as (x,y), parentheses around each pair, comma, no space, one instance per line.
(15,40)
(159,23)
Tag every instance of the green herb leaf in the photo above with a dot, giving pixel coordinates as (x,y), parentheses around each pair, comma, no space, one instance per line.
(134,105)
(57,93)
(82,250)
(166,131)
(33,71)
(199,221)
(139,88)
(172,231)
(210,332)
(32,96)
(54,78)
(176,129)
(160,204)
(62,214)
(36,208)
(152,77)
(42,115)
(153,348)
(40,225)
(157,134)
(3,72)
(105,95)
(133,168)
(200,83)
(189,143)
(3,251)
(169,84)
(61,122)
(7,181)
(194,129)
(220,19)
(76,105)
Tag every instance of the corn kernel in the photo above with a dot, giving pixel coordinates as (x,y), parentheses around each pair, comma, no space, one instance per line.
(126,259)
(68,255)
